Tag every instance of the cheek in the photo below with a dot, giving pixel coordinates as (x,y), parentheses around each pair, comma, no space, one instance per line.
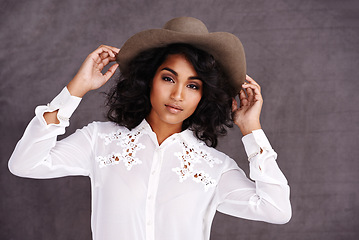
(195,101)
(199,96)
(153,97)
(157,93)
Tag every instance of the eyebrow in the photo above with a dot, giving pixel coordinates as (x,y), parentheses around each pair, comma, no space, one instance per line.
(176,74)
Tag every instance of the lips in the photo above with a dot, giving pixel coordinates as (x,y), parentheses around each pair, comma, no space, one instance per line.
(172,108)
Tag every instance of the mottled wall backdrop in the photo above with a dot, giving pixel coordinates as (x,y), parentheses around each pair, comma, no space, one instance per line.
(304,53)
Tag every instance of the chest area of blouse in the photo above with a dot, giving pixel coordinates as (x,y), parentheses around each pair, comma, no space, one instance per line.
(131,157)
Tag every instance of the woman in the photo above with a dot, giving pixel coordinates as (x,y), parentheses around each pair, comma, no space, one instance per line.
(153,169)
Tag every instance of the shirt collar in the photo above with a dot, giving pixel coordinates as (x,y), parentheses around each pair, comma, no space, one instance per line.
(186,136)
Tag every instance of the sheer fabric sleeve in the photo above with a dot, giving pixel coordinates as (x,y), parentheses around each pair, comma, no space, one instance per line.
(38,154)
(265,199)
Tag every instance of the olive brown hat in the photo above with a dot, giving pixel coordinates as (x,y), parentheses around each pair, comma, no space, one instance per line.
(226,48)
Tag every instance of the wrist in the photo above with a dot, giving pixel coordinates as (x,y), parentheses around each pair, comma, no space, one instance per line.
(249,128)
(76,89)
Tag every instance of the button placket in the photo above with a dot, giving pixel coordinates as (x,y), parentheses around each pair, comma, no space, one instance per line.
(151,193)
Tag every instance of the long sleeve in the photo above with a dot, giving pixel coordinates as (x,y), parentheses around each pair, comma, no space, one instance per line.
(38,154)
(266,199)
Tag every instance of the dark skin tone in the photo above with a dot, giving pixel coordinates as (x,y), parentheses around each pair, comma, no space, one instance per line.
(175,93)
(90,77)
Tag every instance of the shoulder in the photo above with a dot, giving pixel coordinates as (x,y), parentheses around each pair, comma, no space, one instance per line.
(97,128)
(107,132)
(227,162)
(105,126)
(207,153)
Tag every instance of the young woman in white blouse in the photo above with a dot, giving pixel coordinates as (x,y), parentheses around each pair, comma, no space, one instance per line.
(154,172)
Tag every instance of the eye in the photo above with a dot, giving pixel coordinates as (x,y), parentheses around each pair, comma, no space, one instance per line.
(167,79)
(193,86)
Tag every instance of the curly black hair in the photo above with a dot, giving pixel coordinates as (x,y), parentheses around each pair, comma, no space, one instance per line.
(129,100)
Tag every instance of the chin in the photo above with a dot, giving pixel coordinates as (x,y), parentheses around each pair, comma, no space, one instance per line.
(173,121)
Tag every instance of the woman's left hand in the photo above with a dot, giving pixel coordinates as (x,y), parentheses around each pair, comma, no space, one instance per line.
(246,116)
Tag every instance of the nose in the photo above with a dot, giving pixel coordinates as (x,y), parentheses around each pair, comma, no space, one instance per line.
(177,92)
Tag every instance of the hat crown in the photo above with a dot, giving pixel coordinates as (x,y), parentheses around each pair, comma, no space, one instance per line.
(187,25)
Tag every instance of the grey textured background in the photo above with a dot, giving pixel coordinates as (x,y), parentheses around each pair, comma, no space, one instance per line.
(303,53)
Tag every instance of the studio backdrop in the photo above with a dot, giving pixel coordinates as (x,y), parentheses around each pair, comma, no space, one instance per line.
(303,53)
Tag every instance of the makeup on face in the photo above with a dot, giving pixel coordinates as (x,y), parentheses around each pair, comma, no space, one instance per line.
(176,91)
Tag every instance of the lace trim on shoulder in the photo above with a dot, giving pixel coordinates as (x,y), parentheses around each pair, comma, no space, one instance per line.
(128,140)
(188,158)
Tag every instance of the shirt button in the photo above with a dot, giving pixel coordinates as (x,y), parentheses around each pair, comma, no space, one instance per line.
(149,197)
(153,172)
(149,222)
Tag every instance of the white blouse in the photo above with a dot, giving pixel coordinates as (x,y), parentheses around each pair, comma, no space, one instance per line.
(142,190)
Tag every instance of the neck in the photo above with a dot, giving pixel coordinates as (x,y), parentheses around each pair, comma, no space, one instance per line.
(163,131)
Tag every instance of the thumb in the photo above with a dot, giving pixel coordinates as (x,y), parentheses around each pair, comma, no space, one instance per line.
(111,71)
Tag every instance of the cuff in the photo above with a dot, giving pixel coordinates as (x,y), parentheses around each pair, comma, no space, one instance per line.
(64,102)
(255,142)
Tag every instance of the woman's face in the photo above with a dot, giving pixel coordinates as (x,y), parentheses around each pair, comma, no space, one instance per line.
(175,92)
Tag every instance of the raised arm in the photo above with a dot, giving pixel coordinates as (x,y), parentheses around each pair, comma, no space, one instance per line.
(38,154)
(267,198)
(90,76)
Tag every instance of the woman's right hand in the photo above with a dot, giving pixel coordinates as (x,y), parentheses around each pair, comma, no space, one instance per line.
(89,77)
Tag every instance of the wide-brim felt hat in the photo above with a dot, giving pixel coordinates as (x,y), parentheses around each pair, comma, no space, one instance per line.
(225,47)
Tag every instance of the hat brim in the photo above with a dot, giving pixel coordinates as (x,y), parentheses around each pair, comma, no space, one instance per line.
(226,49)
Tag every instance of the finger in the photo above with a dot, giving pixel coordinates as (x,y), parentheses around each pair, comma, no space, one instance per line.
(108,59)
(242,95)
(104,48)
(234,104)
(104,55)
(104,62)
(253,89)
(251,81)
(110,71)
(115,49)
(98,57)
(243,98)
(250,93)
